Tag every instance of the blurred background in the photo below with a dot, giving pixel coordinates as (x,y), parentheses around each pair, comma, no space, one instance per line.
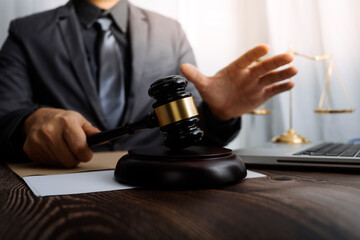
(220,31)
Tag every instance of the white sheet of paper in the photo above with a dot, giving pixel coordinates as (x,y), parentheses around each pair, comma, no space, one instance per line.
(251,174)
(74,183)
(82,182)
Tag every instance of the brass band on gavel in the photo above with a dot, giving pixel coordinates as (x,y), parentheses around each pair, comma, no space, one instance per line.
(176,111)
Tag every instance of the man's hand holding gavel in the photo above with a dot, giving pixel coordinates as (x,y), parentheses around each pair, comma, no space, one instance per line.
(57,137)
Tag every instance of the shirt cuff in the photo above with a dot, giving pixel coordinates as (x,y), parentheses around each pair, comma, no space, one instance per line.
(217,132)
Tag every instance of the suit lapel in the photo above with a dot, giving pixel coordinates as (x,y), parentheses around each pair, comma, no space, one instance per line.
(139,31)
(71,33)
(139,41)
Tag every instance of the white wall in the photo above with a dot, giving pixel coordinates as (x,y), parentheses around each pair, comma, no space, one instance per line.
(10,9)
(206,22)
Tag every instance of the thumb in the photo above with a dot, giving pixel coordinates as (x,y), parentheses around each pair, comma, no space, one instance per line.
(194,75)
(89,129)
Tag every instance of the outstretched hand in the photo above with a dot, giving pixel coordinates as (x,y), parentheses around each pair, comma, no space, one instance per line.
(239,87)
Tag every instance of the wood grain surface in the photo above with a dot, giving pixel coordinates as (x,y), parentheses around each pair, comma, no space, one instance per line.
(285,205)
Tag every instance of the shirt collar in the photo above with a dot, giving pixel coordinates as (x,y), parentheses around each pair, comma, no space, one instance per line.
(89,13)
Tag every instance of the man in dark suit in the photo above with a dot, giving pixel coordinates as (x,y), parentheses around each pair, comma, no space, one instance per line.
(50,77)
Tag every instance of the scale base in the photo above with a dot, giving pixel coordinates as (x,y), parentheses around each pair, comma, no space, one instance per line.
(193,167)
(290,136)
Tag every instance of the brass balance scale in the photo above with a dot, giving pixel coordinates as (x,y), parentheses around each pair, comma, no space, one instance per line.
(291,136)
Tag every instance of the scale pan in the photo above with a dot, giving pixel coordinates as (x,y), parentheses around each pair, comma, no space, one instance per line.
(260,112)
(331,111)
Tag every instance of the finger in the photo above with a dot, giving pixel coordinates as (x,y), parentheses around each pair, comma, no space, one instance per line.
(277,88)
(195,76)
(58,153)
(277,76)
(33,153)
(270,64)
(89,129)
(38,150)
(57,149)
(63,154)
(75,138)
(249,57)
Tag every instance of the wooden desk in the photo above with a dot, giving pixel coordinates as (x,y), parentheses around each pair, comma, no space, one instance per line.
(286,205)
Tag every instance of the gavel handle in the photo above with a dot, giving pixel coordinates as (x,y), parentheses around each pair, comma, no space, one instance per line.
(148,121)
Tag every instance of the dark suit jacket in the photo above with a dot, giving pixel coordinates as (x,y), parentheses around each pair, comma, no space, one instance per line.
(43,63)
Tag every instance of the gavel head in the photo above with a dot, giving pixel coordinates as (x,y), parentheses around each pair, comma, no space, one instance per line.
(176,112)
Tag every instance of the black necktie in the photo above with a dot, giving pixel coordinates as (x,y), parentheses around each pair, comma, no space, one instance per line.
(111,75)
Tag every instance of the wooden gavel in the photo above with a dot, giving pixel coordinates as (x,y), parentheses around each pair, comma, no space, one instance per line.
(174,112)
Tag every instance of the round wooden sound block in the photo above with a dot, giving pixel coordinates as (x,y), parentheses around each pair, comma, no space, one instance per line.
(193,167)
